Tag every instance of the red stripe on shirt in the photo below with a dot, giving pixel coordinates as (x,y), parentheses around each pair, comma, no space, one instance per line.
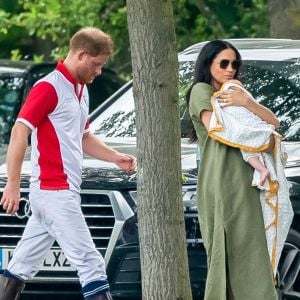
(52,175)
(40,102)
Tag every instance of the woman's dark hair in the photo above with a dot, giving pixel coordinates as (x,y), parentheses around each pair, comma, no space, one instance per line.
(202,71)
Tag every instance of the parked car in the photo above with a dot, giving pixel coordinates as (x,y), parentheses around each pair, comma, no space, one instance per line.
(271,72)
(17,77)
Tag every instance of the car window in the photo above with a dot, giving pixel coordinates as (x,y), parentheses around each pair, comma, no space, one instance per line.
(118,120)
(103,86)
(275,84)
(11,92)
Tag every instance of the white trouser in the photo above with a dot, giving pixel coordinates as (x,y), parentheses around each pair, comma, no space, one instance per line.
(57,215)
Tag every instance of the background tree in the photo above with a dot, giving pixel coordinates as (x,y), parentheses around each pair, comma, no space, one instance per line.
(11,37)
(163,250)
(54,21)
(285,18)
(200,20)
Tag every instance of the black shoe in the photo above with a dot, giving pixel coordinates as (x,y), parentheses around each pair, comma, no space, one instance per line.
(106,296)
(11,289)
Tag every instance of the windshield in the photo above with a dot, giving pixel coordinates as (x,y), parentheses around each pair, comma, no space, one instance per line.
(118,120)
(11,91)
(274,84)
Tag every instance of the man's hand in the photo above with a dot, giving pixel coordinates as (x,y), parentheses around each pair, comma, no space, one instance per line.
(95,147)
(126,162)
(10,199)
(14,158)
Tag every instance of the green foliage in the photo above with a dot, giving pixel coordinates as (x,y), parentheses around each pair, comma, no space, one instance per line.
(195,21)
(16,54)
(200,20)
(10,36)
(4,16)
(113,19)
(38,58)
(55,20)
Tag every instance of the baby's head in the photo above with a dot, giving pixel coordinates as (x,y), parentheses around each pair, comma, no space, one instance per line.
(235,81)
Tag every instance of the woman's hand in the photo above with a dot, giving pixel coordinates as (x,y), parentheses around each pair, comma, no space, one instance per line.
(234,97)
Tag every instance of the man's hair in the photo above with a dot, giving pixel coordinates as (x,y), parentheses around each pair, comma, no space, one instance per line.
(93,40)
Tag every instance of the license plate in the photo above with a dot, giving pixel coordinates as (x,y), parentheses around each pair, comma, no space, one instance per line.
(54,261)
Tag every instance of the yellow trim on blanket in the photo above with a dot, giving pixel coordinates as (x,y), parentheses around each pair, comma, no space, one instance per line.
(273,193)
(236,145)
(219,127)
(274,187)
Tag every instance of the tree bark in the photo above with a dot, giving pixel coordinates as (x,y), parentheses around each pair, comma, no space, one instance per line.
(285,18)
(163,251)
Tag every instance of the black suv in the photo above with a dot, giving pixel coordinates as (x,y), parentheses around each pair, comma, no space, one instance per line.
(271,72)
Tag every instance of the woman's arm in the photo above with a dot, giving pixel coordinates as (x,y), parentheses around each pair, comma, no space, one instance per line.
(205,116)
(239,98)
(263,112)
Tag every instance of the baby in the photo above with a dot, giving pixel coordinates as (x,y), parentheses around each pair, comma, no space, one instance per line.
(238,127)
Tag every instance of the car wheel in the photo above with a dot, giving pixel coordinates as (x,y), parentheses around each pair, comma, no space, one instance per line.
(288,280)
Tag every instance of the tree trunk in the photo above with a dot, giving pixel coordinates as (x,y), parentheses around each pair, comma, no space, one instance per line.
(163,251)
(285,18)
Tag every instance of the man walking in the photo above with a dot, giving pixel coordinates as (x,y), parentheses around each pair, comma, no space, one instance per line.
(56,115)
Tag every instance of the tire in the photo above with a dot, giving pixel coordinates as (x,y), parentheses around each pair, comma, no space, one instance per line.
(288,279)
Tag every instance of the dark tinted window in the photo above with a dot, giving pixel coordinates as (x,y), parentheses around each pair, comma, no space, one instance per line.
(118,120)
(276,85)
(11,93)
(103,86)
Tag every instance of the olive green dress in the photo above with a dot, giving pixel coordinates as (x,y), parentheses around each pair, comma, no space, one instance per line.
(230,216)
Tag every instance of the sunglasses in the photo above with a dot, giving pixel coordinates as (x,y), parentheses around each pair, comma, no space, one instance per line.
(235,64)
